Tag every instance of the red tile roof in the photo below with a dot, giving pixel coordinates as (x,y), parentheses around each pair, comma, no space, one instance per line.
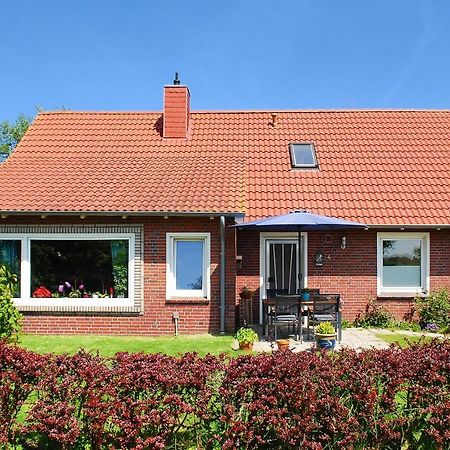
(377,167)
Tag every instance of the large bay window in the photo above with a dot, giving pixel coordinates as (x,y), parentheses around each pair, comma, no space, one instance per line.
(79,268)
(64,270)
(403,263)
(188,259)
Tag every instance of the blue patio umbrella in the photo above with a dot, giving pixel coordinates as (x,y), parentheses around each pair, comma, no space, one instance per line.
(299,221)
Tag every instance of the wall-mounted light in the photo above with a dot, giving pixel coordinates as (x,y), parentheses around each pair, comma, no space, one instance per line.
(344,242)
(319,258)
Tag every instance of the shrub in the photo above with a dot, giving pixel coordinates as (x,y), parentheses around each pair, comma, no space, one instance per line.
(374,315)
(374,399)
(10,317)
(434,309)
(20,372)
(346,324)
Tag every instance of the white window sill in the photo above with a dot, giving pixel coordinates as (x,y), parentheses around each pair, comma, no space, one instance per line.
(74,302)
(187,294)
(402,294)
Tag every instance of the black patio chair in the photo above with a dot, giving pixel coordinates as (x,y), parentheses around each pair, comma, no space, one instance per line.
(284,311)
(325,308)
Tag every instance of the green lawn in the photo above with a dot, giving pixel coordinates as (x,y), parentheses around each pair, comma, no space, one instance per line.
(401,339)
(109,345)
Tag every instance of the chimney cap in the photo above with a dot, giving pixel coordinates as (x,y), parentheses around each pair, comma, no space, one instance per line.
(176,81)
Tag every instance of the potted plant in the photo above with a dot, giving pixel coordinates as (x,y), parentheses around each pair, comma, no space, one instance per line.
(283,344)
(246,337)
(325,335)
(305,294)
(246,293)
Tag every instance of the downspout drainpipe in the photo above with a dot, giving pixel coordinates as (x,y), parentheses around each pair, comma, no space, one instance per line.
(222,274)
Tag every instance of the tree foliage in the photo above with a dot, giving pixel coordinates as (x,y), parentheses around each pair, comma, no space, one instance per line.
(12,133)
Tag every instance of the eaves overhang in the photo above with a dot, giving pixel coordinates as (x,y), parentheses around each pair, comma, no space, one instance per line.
(234,214)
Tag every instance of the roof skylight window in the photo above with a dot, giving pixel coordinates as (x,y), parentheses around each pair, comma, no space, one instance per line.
(303,155)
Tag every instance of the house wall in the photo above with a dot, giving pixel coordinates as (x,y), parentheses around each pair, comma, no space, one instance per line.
(351,272)
(196,316)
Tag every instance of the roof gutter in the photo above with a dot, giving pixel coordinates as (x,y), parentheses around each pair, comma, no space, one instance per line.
(6,213)
(409,226)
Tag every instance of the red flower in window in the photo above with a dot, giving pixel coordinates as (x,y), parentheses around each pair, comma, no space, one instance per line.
(42,292)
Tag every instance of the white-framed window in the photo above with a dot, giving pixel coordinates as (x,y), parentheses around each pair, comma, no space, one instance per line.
(403,261)
(66,270)
(188,265)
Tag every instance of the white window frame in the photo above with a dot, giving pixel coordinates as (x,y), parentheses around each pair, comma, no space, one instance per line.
(25,270)
(171,290)
(297,165)
(404,291)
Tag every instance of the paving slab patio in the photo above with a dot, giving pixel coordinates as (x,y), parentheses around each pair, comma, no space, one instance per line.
(356,338)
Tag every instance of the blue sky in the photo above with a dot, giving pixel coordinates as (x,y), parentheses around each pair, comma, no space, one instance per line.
(233,54)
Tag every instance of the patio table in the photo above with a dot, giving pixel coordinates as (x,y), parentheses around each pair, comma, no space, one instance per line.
(271,303)
(270,307)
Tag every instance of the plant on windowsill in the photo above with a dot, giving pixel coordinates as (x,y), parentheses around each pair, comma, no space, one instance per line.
(41,292)
(66,290)
(246,337)
(99,295)
(325,335)
(246,293)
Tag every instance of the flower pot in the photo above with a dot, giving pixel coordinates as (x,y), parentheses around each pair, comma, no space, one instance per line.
(283,344)
(245,295)
(247,346)
(326,341)
(306,296)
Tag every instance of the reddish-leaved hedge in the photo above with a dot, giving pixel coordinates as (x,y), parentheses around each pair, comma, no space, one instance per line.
(373,399)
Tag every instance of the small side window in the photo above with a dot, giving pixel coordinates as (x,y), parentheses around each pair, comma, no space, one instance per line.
(188,259)
(303,155)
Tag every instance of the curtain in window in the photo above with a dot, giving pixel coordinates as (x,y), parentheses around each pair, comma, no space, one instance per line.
(9,256)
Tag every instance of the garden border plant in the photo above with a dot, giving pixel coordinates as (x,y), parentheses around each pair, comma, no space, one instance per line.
(10,317)
(434,310)
(393,398)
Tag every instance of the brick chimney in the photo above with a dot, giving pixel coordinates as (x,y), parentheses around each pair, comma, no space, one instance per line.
(177,101)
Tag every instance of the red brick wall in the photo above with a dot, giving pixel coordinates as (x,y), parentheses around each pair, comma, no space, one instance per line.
(351,272)
(201,317)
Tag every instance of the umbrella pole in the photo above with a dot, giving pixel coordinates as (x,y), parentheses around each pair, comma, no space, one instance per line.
(300,261)
(300,278)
